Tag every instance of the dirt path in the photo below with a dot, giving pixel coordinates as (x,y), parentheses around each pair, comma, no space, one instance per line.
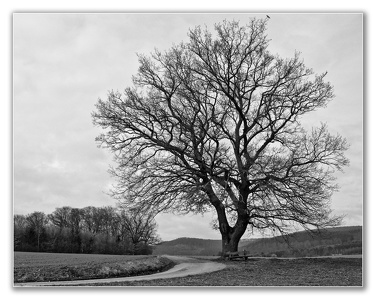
(184,266)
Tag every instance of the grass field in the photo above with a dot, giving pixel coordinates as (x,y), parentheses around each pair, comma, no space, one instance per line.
(271,272)
(29,266)
(326,271)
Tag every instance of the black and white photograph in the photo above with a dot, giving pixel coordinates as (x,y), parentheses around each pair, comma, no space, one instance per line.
(188,149)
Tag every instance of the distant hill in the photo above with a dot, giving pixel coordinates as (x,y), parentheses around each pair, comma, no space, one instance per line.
(344,240)
(337,240)
(192,246)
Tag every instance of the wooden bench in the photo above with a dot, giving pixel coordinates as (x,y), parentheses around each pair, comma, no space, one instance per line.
(237,255)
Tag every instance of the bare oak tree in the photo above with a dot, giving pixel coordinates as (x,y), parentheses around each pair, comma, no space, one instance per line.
(214,123)
(140,227)
(37,222)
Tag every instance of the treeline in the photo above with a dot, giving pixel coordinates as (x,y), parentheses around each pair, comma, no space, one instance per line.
(103,230)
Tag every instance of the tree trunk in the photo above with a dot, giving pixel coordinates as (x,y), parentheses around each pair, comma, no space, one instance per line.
(38,238)
(231,235)
(229,244)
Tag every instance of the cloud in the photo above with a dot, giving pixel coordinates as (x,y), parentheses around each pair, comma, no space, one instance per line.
(55,176)
(64,62)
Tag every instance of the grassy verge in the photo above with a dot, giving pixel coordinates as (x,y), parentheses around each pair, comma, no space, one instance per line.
(271,272)
(42,267)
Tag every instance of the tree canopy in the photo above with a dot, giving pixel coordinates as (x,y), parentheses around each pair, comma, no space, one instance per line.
(215,123)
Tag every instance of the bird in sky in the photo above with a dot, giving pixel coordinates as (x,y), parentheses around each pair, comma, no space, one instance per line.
(267,16)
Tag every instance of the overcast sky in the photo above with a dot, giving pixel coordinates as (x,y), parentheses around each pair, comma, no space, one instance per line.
(64,62)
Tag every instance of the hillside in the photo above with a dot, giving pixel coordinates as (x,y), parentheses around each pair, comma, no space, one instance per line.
(338,240)
(192,246)
(344,240)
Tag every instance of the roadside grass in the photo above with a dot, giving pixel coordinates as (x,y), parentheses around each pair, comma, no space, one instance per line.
(270,272)
(42,267)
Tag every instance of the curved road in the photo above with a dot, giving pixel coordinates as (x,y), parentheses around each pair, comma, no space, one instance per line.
(184,266)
